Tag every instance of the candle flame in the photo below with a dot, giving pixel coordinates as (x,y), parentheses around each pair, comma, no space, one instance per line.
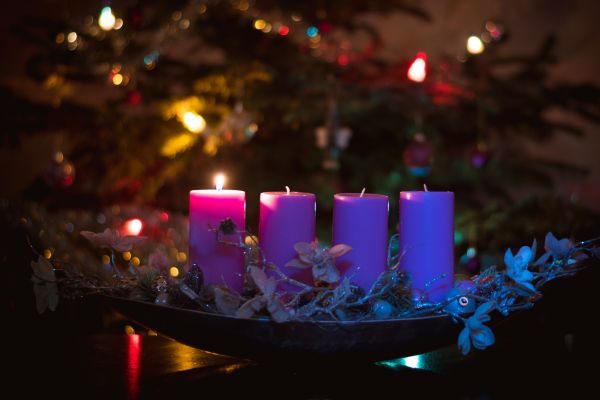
(363,192)
(287,188)
(219,181)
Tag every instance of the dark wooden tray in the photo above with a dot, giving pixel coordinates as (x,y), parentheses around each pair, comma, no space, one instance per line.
(263,340)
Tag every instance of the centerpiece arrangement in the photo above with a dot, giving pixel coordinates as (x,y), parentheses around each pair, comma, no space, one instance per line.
(287,278)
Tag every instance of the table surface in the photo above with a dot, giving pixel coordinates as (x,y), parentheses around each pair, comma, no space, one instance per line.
(141,366)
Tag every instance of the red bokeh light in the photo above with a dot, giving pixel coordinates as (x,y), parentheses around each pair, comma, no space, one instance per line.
(417,71)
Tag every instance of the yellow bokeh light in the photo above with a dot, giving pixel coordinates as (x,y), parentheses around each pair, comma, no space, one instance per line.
(135,261)
(48,254)
(118,24)
(267,28)
(174,271)
(127,256)
(211,146)
(117,79)
(72,37)
(106,20)
(178,144)
(475,45)
(152,333)
(105,259)
(194,122)
(244,5)
(260,24)
(60,38)
(129,330)
(181,256)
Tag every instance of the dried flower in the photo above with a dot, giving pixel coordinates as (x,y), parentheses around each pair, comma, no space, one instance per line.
(226,300)
(44,285)
(517,265)
(475,332)
(557,249)
(111,238)
(266,300)
(321,260)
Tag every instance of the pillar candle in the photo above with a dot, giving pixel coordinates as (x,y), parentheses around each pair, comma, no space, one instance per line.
(220,263)
(286,218)
(360,220)
(426,245)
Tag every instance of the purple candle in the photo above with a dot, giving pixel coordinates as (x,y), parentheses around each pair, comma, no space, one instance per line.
(360,220)
(286,218)
(220,263)
(426,243)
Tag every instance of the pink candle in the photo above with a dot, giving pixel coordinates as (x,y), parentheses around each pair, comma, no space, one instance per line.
(220,263)
(426,243)
(286,218)
(360,220)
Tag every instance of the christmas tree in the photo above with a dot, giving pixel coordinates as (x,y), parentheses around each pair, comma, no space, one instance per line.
(277,93)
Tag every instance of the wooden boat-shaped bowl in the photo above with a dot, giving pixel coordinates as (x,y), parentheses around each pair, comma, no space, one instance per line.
(265,340)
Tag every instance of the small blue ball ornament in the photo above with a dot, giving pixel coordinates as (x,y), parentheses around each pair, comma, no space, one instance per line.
(462,304)
(382,309)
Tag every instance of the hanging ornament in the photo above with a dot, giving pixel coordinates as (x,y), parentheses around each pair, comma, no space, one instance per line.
(332,137)
(60,173)
(239,126)
(418,156)
(479,156)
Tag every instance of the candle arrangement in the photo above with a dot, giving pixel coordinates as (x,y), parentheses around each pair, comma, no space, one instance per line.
(231,274)
(360,222)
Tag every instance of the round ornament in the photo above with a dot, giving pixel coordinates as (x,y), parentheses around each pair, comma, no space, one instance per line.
(418,156)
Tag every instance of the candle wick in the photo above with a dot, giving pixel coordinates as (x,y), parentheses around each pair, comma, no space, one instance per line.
(287,188)
(363,192)
(425,187)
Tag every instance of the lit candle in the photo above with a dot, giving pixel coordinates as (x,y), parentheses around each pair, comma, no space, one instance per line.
(426,244)
(286,218)
(221,263)
(360,220)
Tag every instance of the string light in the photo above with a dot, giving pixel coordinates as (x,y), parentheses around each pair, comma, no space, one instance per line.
(195,123)
(312,31)
(135,261)
(133,227)
(127,256)
(475,45)
(106,20)
(417,72)
(260,24)
(174,271)
(117,79)
(284,30)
